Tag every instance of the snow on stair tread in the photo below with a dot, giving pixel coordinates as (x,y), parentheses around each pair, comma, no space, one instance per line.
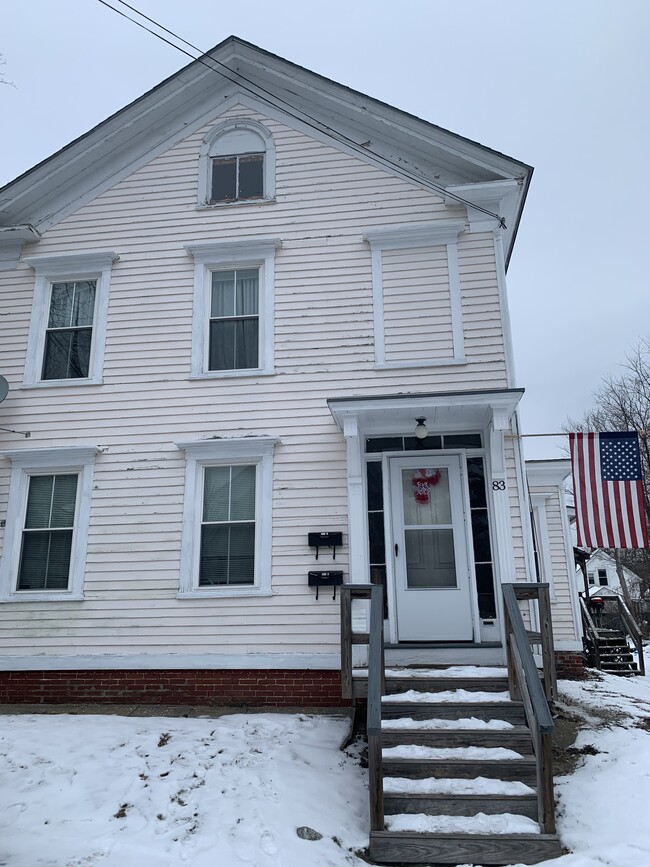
(414,751)
(470,723)
(448,696)
(454,786)
(481,823)
(452,671)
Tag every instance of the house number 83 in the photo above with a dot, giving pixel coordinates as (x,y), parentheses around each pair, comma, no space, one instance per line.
(498,485)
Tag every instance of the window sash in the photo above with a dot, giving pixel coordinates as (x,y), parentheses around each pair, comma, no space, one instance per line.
(237,177)
(228,526)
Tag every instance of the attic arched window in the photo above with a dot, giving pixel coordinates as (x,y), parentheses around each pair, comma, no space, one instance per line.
(237,164)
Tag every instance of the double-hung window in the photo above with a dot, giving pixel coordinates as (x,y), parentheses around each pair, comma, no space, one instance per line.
(47,524)
(226,543)
(234,320)
(68,326)
(47,535)
(236,164)
(228,526)
(232,326)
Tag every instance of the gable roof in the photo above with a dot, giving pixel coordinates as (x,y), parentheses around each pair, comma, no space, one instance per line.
(399,142)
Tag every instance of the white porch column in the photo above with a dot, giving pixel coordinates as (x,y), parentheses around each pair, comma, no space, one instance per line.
(357,531)
(505,556)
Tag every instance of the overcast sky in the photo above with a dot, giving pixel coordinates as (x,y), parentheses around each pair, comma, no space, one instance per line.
(563,86)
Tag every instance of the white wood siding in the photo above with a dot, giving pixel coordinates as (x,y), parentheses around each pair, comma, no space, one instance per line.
(324,348)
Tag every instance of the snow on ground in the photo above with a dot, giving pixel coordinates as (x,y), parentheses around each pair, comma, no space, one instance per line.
(603,805)
(111,791)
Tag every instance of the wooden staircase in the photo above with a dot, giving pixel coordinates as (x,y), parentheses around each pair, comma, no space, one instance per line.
(612,651)
(456,747)
(457,774)
(609,649)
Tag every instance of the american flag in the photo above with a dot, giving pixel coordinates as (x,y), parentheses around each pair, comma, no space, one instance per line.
(608,488)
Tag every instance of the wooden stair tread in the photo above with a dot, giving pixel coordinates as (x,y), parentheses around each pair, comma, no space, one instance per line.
(523,769)
(410,847)
(460,804)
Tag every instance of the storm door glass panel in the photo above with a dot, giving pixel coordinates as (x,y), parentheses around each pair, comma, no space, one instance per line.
(69,330)
(428,528)
(228,526)
(234,320)
(47,534)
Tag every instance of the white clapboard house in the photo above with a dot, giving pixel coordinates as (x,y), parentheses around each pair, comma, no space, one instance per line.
(247,308)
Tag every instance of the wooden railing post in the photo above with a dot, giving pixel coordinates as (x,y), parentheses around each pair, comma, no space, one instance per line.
(346,641)
(545,800)
(375,691)
(546,630)
(632,629)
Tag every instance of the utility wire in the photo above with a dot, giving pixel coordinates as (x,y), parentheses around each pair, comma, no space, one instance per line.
(272,100)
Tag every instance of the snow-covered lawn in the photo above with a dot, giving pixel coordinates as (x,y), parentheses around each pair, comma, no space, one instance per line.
(110,791)
(113,791)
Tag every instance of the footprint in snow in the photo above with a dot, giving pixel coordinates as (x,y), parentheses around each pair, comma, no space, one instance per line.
(267,844)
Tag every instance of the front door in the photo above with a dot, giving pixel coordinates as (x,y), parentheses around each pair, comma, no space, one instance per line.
(431,564)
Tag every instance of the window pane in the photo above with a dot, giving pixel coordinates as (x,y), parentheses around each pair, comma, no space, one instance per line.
(463,441)
(224,179)
(246,343)
(251,176)
(481,536)
(384,444)
(485,585)
(45,560)
(67,354)
(430,442)
(223,293)
(39,501)
(247,292)
(63,501)
(242,554)
(227,554)
(242,503)
(476,481)
(221,354)
(84,303)
(430,560)
(61,305)
(216,494)
(376,533)
(375,491)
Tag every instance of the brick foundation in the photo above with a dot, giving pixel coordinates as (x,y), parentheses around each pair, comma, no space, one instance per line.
(570,664)
(241,688)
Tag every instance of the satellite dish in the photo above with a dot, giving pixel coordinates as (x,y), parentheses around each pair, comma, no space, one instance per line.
(4,388)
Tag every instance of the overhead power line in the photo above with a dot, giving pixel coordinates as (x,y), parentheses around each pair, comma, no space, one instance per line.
(276,101)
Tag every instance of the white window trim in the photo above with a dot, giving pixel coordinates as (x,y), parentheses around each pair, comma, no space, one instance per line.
(442,233)
(222,256)
(539,502)
(56,269)
(205,163)
(27,462)
(202,453)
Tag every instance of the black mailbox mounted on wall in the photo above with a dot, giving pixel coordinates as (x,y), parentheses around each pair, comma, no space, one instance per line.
(325,579)
(331,540)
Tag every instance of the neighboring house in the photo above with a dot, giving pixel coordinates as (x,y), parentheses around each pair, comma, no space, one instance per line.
(601,572)
(240,311)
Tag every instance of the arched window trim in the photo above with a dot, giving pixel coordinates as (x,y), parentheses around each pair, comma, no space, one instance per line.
(207,152)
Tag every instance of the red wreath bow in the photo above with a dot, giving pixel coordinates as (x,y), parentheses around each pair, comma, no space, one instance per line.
(423,480)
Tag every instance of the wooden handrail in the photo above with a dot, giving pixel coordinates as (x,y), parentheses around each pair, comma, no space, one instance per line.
(376,682)
(525,685)
(632,628)
(590,628)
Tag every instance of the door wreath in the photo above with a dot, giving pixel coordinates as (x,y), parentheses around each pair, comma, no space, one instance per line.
(422,481)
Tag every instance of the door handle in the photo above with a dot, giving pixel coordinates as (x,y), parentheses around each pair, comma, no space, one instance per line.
(396,549)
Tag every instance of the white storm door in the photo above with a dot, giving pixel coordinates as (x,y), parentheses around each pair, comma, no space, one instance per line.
(430,556)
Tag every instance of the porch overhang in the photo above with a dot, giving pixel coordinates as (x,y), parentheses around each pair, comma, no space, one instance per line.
(384,415)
